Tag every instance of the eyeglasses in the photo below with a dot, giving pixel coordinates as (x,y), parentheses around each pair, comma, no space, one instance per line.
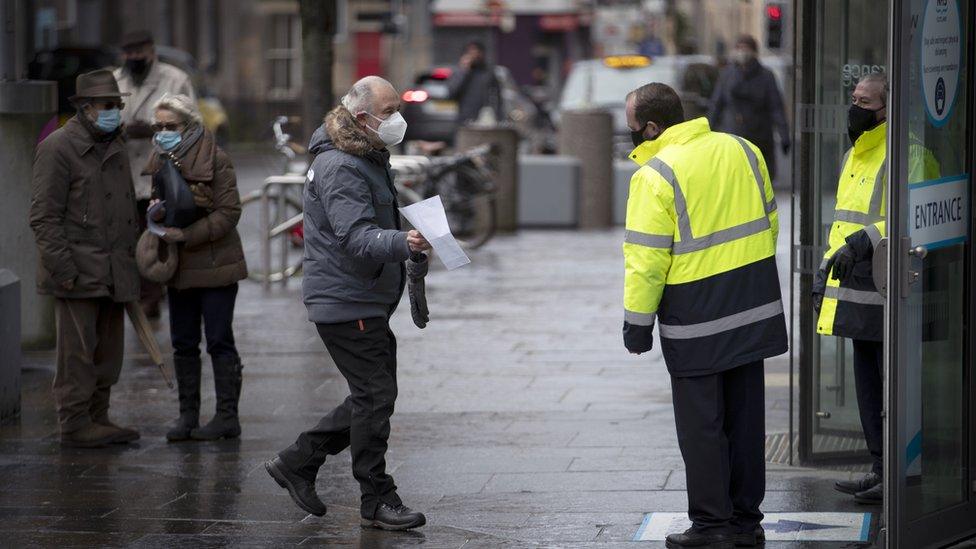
(171,127)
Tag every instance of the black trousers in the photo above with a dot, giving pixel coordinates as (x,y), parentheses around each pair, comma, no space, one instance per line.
(868,366)
(721,426)
(365,353)
(215,306)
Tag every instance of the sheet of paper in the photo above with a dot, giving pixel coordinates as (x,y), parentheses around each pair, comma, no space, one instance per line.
(154,228)
(428,217)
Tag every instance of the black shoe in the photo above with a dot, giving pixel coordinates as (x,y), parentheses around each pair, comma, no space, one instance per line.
(750,539)
(400,517)
(691,538)
(852,487)
(871,496)
(227,383)
(302,491)
(188,383)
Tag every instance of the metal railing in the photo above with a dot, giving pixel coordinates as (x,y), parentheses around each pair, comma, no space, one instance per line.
(282,183)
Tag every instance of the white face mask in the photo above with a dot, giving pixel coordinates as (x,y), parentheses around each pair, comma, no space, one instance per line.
(391,130)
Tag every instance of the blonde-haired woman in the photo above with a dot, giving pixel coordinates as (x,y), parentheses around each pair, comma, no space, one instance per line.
(211,262)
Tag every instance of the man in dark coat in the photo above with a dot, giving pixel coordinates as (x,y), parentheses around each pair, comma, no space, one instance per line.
(353,279)
(83,213)
(747,102)
(474,85)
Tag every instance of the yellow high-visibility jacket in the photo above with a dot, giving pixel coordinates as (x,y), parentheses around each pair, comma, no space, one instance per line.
(854,308)
(700,248)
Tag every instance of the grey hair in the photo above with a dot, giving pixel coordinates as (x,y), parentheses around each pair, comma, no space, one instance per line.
(180,105)
(877,78)
(359,98)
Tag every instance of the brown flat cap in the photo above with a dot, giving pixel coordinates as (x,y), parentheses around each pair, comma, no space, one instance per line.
(96,84)
(136,38)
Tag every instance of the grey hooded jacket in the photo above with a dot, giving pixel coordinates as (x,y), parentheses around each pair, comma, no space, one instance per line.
(354,248)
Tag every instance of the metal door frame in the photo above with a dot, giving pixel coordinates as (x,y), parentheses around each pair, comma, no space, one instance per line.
(959,521)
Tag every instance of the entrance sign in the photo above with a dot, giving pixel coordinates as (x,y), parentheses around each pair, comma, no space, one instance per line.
(939,211)
(940,58)
(778,526)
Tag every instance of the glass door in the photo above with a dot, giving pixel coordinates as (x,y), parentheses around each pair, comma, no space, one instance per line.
(931,495)
(840,42)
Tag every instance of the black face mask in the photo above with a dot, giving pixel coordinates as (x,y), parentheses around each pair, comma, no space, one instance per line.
(137,67)
(637,137)
(860,120)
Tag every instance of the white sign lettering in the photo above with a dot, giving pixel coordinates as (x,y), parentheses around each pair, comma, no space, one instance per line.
(941,52)
(939,211)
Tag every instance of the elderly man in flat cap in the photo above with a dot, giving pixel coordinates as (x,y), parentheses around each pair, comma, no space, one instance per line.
(83,214)
(147,79)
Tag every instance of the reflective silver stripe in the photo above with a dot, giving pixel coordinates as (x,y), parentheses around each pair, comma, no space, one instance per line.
(680,206)
(724,324)
(649,240)
(874,234)
(639,319)
(861,297)
(875,207)
(720,237)
(851,216)
(754,164)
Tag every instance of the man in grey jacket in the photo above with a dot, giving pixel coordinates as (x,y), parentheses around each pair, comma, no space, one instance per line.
(353,279)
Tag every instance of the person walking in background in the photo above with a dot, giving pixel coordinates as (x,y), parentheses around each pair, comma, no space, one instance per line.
(147,80)
(747,102)
(210,263)
(700,260)
(474,85)
(354,278)
(83,214)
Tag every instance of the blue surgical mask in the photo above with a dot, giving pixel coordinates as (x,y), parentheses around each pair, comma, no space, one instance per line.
(108,121)
(168,140)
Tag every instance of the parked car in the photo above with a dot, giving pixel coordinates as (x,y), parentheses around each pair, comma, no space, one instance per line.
(431,114)
(604,83)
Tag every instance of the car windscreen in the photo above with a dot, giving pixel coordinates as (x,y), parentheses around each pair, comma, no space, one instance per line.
(595,85)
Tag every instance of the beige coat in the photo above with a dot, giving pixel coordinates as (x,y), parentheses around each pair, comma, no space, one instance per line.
(162,79)
(83,214)
(212,255)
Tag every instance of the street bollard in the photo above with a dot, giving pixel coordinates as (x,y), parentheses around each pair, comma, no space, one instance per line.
(9,346)
(588,136)
(506,141)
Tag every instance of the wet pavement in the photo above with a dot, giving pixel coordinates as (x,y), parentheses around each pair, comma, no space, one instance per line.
(521,421)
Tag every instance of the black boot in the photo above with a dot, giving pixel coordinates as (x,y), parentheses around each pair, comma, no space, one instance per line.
(227,384)
(188,383)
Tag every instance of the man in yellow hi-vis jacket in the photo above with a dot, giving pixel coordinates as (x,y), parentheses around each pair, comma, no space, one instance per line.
(844,294)
(700,261)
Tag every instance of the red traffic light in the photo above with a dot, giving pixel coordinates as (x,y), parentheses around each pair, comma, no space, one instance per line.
(774,12)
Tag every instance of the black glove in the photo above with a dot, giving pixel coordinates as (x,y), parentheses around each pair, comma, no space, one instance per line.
(786,145)
(638,339)
(417,267)
(817,302)
(843,263)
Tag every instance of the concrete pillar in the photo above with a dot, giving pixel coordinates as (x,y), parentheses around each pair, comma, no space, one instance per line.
(25,108)
(506,141)
(9,346)
(588,136)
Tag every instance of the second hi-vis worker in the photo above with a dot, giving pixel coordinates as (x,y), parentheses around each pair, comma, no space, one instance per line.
(845,297)
(700,255)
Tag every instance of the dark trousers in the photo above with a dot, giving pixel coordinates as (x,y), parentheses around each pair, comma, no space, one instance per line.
(868,366)
(722,435)
(215,307)
(365,353)
(90,346)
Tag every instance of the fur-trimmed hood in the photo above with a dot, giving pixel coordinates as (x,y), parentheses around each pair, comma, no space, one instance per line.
(340,131)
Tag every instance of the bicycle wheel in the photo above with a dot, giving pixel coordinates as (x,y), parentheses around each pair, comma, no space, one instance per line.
(284,227)
(469,202)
